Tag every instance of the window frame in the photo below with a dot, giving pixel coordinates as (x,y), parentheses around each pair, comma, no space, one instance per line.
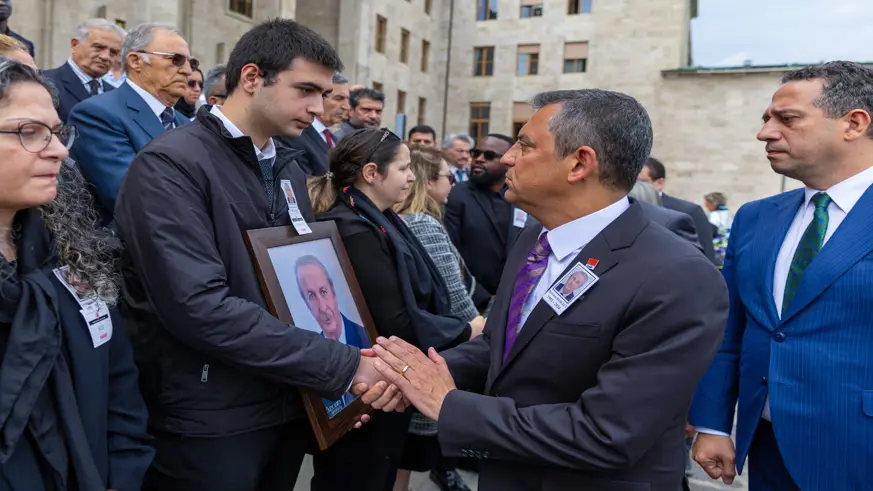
(486,63)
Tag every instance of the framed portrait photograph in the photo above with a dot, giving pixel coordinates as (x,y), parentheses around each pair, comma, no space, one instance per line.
(570,288)
(309,282)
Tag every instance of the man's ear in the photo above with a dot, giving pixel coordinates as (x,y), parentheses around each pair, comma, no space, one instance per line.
(582,163)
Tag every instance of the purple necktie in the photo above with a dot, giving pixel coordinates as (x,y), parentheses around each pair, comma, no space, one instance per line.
(527,278)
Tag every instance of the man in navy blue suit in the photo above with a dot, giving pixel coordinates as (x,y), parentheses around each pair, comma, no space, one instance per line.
(114,126)
(319,292)
(94,44)
(796,357)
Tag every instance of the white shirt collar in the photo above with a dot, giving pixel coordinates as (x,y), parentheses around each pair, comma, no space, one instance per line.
(847,193)
(84,77)
(572,236)
(154,104)
(269,150)
(318,126)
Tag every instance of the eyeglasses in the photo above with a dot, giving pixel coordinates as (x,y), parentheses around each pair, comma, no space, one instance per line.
(488,154)
(452,179)
(178,59)
(385,134)
(36,137)
(193,83)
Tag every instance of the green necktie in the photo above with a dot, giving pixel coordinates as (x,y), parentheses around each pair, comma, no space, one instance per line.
(810,244)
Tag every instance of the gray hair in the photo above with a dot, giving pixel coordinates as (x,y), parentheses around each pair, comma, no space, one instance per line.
(339,78)
(447,142)
(643,191)
(615,125)
(139,38)
(846,86)
(83,29)
(215,75)
(310,260)
(717,199)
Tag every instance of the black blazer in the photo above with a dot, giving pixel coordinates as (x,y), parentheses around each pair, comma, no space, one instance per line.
(597,397)
(701,222)
(481,241)
(71,90)
(313,150)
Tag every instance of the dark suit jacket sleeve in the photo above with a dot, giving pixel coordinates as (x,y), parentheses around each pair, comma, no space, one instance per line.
(704,232)
(469,362)
(658,358)
(129,451)
(684,227)
(102,150)
(175,257)
(454,217)
(716,396)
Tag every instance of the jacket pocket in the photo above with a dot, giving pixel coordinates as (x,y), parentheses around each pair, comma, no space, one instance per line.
(867,402)
(572,329)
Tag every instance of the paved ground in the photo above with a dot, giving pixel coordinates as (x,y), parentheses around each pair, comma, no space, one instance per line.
(421,482)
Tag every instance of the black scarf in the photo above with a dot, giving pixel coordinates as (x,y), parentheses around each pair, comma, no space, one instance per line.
(36,390)
(187,110)
(424,291)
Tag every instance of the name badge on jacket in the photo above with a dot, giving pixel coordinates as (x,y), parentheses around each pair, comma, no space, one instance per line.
(519,218)
(570,288)
(297,219)
(94,311)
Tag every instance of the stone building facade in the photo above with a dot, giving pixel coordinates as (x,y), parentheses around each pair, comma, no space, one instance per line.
(467,66)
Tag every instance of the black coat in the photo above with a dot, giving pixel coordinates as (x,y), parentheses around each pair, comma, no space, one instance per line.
(311,151)
(701,223)
(109,403)
(214,362)
(71,90)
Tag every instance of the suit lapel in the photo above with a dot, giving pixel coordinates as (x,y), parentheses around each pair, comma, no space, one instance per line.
(619,234)
(142,113)
(848,245)
(313,136)
(771,230)
(73,84)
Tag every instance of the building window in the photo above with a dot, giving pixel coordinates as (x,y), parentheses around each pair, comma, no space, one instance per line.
(404,46)
(486,10)
(422,110)
(521,114)
(425,55)
(531,8)
(483,61)
(401,102)
(528,59)
(578,7)
(378,86)
(480,117)
(381,33)
(243,7)
(427,6)
(576,57)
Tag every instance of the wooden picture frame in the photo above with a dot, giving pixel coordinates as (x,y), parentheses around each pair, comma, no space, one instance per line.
(273,250)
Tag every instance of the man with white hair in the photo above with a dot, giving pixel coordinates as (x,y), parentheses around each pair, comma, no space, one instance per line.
(115,126)
(95,42)
(457,148)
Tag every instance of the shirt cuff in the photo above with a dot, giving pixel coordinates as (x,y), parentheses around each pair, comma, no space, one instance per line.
(709,431)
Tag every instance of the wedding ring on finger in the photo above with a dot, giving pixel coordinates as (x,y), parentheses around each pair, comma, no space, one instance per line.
(403,372)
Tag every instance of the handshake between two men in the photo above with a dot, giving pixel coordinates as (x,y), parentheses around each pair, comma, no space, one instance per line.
(394,374)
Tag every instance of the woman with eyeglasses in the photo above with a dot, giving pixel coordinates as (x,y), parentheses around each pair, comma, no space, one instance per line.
(422,211)
(187,104)
(370,173)
(71,416)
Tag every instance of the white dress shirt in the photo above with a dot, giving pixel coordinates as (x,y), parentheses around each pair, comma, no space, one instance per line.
(318,126)
(153,102)
(269,150)
(110,79)
(844,196)
(566,242)
(84,77)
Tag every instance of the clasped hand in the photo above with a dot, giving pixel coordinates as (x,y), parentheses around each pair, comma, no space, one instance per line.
(407,376)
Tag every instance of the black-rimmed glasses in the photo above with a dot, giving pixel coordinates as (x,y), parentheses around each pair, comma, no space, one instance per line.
(488,154)
(451,177)
(36,137)
(177,59)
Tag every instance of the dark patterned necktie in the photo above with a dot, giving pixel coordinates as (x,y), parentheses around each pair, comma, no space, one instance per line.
(810,244)
(167,118)
(94,84)
(525,282)
(266,166)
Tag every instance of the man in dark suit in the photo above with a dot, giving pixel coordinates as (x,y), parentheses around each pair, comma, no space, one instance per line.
(313,145)
(115,126)
(655,173)
(596,396)
(94,44)
(366,111)
(5,14)
(478,219)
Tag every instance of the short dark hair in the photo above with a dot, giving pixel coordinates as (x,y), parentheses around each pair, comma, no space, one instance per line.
(846,86)
(656,169)
(500,136)
(615,125)
(365,93)
(273,46)
(422,128)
